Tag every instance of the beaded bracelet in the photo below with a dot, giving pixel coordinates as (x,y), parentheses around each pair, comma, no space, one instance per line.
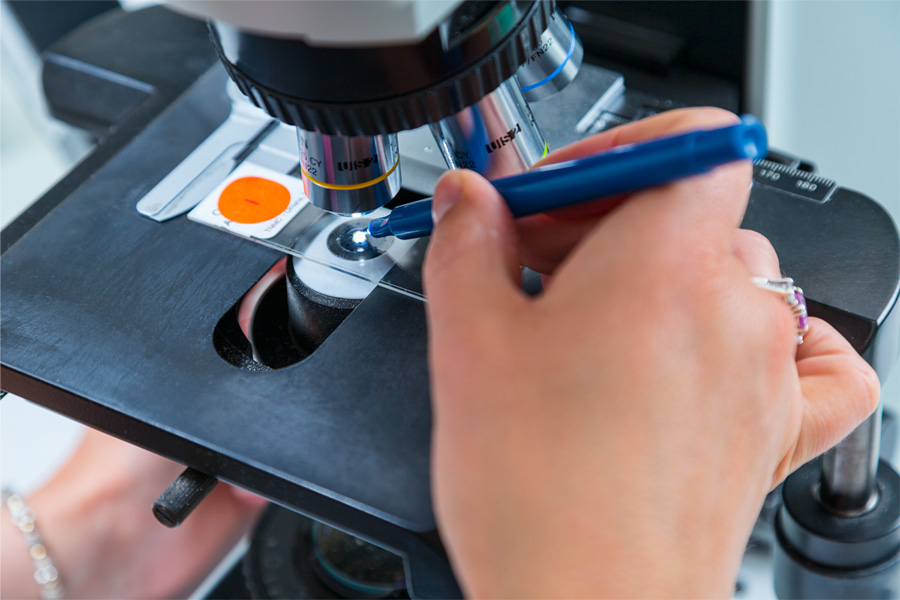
(45,574)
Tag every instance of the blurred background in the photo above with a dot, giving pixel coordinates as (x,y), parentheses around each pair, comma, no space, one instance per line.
(831,95)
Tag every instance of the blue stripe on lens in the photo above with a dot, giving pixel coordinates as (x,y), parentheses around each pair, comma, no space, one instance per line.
(559,68)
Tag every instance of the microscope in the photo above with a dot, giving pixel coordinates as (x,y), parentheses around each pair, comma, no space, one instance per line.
(243,356)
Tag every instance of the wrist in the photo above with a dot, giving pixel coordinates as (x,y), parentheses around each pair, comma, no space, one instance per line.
(78,523)
(25,554)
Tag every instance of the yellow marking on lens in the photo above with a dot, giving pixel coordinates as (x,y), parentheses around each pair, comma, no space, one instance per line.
(546,150)
(350,186)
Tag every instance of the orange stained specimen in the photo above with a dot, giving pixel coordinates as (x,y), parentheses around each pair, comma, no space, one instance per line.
(253,200)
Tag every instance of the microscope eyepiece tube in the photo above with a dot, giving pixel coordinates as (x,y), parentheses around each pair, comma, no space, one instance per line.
(554,63)
(497,136)
(349,175)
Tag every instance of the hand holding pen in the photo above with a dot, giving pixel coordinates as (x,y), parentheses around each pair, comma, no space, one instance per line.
(622,169)
(638,410)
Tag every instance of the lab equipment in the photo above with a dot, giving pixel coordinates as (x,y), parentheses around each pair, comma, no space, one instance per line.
(104,308)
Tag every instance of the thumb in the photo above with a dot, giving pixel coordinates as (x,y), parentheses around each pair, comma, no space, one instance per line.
(472,266)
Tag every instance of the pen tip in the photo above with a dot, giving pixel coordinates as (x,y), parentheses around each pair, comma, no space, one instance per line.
(379,228)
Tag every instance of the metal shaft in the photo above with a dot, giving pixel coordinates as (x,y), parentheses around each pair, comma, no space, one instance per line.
(849,470)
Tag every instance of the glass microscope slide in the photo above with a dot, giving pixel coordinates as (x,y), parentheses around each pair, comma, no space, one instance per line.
(269,207)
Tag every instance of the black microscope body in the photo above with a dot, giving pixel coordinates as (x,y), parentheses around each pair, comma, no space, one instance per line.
(127,324)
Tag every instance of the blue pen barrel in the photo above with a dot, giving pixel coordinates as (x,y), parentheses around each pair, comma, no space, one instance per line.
(629,168)
(619,170)
(406,222)
(746,140)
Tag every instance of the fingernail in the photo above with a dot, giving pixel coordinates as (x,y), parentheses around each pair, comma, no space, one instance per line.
(447,193)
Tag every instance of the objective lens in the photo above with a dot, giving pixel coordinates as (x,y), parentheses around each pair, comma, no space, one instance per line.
(554,63)
(349,175)
(496,136)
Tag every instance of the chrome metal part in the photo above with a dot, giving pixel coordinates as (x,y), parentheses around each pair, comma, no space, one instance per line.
(189,182)
(496,136)
(349,175)
(850,468)
(554,63)
(594,91)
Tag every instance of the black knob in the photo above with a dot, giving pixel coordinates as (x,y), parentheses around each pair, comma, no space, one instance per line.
(182,497)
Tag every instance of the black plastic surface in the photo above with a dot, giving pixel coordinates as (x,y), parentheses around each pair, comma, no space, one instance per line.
(127,48)
(797,578)
(712,35)
(107,317)
(146,298)
(833,540)
(47,21)
(127,301)
(834,251)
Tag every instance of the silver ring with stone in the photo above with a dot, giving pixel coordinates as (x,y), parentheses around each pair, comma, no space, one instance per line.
(792,295)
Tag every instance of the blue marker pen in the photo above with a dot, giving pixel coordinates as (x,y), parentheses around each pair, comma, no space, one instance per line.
(619,170)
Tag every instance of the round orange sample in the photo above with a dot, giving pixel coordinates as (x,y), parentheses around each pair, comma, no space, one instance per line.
(253,200)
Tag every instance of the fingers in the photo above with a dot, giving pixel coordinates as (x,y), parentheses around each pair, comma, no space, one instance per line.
(248,498)
(718,198)
(839,391)
(546,240)
(706,208)
(472,265)
(686,226)
(671,122)
(755,251)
